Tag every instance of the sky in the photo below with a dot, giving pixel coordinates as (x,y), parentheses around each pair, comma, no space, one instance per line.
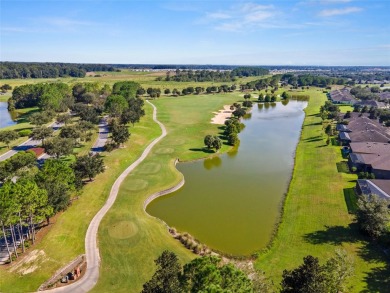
(278,32)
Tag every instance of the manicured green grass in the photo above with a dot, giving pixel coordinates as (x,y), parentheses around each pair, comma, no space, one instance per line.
(316,219)
(65,240)
(127,258)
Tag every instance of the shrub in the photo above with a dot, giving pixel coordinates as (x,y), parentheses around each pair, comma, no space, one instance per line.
(25,132)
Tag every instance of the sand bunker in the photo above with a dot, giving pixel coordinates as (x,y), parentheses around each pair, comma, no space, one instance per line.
(222,115)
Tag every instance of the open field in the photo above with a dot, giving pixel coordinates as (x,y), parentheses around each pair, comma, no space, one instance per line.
(316,219)
(146,79)
(65,240)
(131,256)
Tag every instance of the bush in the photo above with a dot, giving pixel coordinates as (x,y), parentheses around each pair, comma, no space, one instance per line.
(25,132)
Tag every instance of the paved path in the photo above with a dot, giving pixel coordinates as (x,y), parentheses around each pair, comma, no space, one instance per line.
(28,144)
(103,136)
(89,280)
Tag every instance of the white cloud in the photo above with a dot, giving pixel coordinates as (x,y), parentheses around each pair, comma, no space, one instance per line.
(340,11)
(246,15)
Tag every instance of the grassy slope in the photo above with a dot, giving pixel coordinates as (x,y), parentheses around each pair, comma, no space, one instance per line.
(65,240)
(315,219)
(128,254)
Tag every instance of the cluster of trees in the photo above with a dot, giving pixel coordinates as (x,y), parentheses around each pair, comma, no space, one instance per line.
(208,274)
(48,96)
(365,93)
(329,111)
(10,70)
(200,76)
(310,80)
(6,136)
(213,142)
(249,71)
(311,276)
(263,83)
(204,274)
(266,98)
(232,128)
(124,107)
(36,194)
(5,87)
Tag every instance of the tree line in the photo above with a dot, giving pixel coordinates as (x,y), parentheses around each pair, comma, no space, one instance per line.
(10,70)
(210,274)
(311,80)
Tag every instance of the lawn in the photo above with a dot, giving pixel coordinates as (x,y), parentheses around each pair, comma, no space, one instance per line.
(128,254)
(316,219)
(65,240)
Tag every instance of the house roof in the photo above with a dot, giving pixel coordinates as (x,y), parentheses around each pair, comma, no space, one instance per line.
(342,95)
(376,161)
(371,103)
(370,147)
(365,129)
(342,127)
(379,187)
(344,136)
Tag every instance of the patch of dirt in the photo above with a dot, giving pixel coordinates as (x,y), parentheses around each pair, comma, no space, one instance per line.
(30,262)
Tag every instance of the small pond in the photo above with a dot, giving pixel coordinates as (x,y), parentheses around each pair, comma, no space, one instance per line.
(231,202)
(6,118)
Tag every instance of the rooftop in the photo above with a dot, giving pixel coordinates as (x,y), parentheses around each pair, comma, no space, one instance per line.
(370,147)
(376,186)
(376,161)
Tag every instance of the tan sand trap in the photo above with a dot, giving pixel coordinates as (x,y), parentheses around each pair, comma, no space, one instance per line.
(222,115)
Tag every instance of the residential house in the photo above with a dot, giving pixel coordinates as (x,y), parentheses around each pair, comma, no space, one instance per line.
(342,96)
(378,187)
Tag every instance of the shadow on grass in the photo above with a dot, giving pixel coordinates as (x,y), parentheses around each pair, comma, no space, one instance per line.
(313,124)
(205,150)
(342,167)
(378,278)
(350,200)
(335,235)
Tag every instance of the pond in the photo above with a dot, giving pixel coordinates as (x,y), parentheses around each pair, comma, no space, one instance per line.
(6,118)
(231,202)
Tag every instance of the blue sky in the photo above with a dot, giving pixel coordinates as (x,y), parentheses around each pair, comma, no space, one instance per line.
(286,32)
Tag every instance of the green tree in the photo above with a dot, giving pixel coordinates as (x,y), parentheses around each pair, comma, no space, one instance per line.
(120,134)
(373,215)
(239,112)
(39,118)
(217,143)
(58,179)
(208,141)
(206,274)
(59,146)
(41,133)
(307,278)
(22,161)
(166,277)
(233,139)
(116,104)
(337,270)
(88,166)
(6,136)
(64,118)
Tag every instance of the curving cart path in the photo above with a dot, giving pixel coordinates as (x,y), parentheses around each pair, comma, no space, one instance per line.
(91,276)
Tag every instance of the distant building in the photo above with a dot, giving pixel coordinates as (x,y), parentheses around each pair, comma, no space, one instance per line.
(342,96)
(378,187)
(371,103)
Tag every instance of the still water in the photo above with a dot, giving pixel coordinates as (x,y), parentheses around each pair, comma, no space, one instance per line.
(6,118)
(231,202)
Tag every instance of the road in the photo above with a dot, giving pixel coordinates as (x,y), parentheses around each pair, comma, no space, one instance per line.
(28,144)
(91,276)
(103,136)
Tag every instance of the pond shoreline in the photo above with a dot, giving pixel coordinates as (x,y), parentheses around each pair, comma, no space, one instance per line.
(280,205)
